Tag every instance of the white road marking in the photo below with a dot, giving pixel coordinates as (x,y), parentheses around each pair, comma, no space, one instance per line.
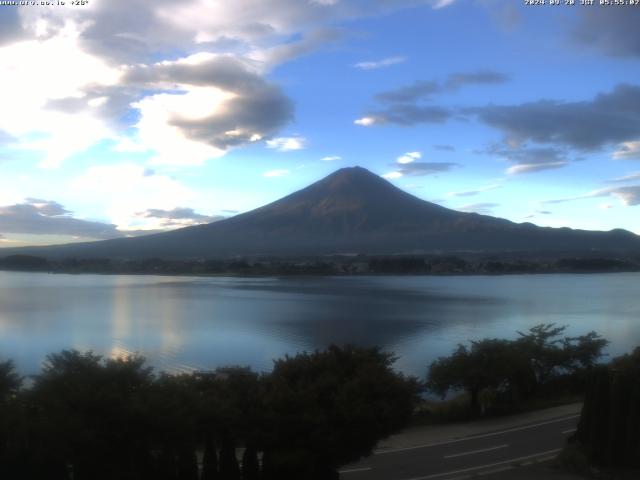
(354,470)
(571,430)
(489,449)
(474,437)
(490,465)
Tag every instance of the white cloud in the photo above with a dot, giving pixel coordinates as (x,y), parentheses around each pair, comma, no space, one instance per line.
(157,132)
(628,151)
(533,167)
(286,144)
(385,62)
(481,208)
(333,158)
(366,121)
(37,73)
(130,189)
(276,173)
(409,157)
(392,175)
(628,177)
(442,3)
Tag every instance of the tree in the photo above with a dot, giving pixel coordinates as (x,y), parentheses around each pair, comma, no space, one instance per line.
(330,408)
(10,381)
(609,425)
(543,347)
(489,363)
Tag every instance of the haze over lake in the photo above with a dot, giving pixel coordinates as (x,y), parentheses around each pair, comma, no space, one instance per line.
(185,323)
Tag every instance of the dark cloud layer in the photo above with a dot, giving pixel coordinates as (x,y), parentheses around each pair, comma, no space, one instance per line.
(43,217)
(405,106)
(609,118)
(425,89)
(407,114)
(613,30)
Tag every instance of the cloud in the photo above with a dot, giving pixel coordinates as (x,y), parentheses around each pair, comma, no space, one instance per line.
(406,115)
(425,89)
(377,64)
(403,106)
(178,217)
(446,148)
(193,72)
(628,151)
(46,217)
(332,158)
(276,173)
(470,193)
(131,189)
(529,159)
(221,102)
(481,208)
(366,121)
(609,118)
(419,169)
(286,144)
(533,167)
(626,178)
(614,31)
(309,43)
(629,195)
(409,157)
(437,4)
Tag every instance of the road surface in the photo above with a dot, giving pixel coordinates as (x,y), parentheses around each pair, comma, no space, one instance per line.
(480,454)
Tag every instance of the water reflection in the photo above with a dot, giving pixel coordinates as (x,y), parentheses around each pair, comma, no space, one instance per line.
(182,323)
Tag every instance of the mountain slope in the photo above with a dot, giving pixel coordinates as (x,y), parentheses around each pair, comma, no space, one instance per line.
(350,211)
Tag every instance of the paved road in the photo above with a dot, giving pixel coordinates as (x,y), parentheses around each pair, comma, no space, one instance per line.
(475,455)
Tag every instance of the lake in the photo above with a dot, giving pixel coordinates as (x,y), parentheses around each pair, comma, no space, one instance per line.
(186,323)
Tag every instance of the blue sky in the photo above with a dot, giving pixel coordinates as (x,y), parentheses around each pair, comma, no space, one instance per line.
(123,118)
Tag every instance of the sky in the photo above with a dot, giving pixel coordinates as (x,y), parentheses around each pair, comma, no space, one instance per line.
(120,118)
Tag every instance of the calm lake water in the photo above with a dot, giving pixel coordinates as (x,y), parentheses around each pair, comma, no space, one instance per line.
(185,323)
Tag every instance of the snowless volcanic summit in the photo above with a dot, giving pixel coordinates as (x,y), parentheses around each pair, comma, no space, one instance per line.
(350,211)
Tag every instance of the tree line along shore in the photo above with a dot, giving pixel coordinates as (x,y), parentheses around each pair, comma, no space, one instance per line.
(330,265)
(88,417)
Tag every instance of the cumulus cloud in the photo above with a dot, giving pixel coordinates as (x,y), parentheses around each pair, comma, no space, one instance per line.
(377,64)
(47,217)
(286,144)
(612,30)
(194,70)
(131,189)
(332,158)
(609,118)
